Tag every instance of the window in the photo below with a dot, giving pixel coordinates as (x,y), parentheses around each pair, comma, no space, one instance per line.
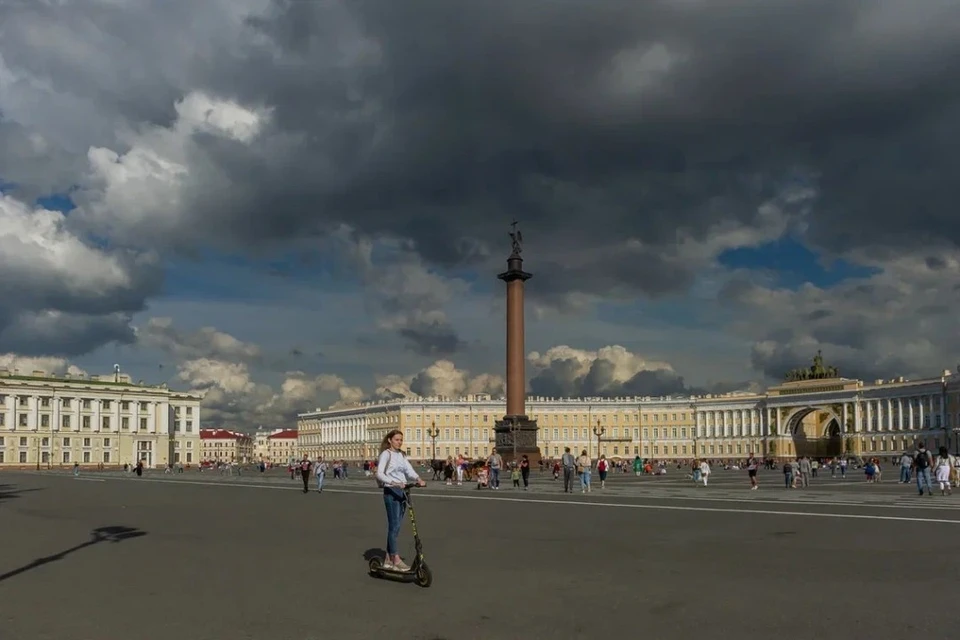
(125,405)
(189,426)
(66,456)
(66,442)
(86,442)
(106,422)
(86,403)
(189,455)
(143,406)
(65,402)
(125,423)
(45,401)
(86,422)
(23,401)
(143,423)
(23,457)
(189,411)
(106,442)
(105,405)
(65,422)
(22,419)
(86,456)
(1,457)
(106,456)
(44,442)
(45,420)
(176,425)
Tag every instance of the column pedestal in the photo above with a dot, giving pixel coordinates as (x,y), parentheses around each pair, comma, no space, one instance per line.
(525,431)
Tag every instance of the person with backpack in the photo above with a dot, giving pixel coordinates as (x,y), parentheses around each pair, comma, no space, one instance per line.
(602,468)
(788,479)
(922,463)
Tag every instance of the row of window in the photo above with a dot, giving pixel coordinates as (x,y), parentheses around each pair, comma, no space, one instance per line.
(85,403)
(86,421)
(66,441)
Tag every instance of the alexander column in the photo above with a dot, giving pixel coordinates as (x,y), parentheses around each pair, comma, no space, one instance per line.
(516,434)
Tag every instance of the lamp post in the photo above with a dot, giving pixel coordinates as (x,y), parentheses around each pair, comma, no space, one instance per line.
(514,430)
(599,431)
(433,433)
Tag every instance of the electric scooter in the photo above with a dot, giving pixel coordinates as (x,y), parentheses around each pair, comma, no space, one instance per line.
(419,571)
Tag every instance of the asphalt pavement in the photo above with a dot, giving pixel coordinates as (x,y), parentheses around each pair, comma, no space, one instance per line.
(110,556)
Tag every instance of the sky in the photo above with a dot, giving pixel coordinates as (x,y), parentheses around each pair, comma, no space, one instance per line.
(298,204)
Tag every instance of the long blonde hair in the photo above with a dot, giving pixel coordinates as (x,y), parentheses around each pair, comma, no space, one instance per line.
(387,438)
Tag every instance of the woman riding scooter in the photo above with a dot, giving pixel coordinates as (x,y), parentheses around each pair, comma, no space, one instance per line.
(393,473)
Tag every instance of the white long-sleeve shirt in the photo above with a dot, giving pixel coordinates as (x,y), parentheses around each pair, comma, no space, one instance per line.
(393,468)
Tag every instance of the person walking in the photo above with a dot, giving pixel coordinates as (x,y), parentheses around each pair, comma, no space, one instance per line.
(525,471)
(788,480)
(705,472)
(495,462)
(305,473)
(805,472)
(943,467)
(922,464)
(569,464)
(320,472)
(603,467)
(584,469)
(393,473)
(752,466)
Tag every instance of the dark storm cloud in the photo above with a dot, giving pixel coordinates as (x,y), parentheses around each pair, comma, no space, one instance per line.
(591,122)
(66,335)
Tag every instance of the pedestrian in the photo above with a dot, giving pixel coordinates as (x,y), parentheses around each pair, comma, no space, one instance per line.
(788,475)
(525,471)
(305,473)
(320,473)
(922,463)
(584,470)
(495,461)
(393,473)
(569,464)
(943,467)
(752,466)
(602,468)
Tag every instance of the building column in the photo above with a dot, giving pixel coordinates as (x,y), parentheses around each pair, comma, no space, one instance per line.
(910,413)
(779,423)
(869,415)
(889,414)
(930,407)
(843,424)
(920,413)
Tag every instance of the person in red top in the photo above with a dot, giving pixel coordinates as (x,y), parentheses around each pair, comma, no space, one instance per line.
(602,468)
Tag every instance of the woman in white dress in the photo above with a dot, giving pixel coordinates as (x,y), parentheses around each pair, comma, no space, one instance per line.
(942,467)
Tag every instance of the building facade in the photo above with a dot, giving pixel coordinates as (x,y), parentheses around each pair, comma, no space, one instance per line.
(48,421)
(821,417)
(225,446)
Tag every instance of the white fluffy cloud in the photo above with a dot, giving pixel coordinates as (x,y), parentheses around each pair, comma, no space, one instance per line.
(25,366)
(61,294)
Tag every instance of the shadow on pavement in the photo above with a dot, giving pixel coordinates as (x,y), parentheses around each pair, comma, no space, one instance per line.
(370,554)
(10,491)
(100,534)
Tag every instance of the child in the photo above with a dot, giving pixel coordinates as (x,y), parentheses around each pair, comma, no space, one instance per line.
(482,476)
(515,476)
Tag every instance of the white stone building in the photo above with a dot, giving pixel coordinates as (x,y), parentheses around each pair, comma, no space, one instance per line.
(48,421)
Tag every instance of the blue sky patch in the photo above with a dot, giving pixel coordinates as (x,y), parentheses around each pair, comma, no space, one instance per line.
(794,264)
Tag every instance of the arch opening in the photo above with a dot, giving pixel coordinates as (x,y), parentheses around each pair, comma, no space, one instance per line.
(816,433)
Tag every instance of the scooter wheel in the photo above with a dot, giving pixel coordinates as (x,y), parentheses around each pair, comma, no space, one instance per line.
(375,564)
(424,576)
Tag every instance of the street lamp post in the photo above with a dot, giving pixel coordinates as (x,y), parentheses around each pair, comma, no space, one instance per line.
(433,433)
(599,431)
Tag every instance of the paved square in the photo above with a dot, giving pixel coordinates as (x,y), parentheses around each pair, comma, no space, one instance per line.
(203,556)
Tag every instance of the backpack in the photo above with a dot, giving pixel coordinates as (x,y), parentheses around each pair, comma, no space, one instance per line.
(922,460)
(602,465)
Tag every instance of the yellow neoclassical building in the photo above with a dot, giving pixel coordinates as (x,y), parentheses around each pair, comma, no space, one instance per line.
(817,414)
(48,421)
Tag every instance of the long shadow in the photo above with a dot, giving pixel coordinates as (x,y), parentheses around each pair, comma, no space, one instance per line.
(11,492)
(112,534)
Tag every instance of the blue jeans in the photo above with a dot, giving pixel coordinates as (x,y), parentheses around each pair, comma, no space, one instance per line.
(904,473)
(585,479)
(494,477)
(923,477)
(320,476)
(395,510)
(788,479)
